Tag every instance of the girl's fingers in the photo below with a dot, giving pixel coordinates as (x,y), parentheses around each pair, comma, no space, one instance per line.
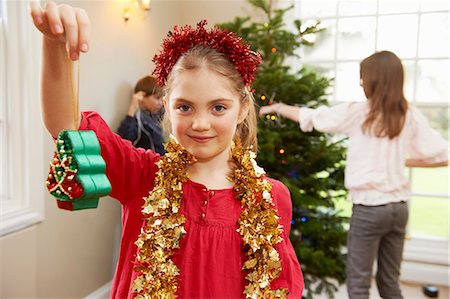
(54,19)
(64,23)
(39,18)
(264,110)
(36,13)
(84,29)
(70,25)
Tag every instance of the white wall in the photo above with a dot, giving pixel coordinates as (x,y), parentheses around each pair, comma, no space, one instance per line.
(214,11)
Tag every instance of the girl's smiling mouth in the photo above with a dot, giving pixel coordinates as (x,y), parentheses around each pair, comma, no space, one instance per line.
(201,139)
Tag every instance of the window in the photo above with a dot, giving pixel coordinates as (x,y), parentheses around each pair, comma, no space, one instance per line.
(419,33)
(21,136)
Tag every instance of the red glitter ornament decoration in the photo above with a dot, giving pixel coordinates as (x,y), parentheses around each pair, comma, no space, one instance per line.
(184,38)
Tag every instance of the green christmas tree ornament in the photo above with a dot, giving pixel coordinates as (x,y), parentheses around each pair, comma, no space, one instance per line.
(77,176)
(77,171)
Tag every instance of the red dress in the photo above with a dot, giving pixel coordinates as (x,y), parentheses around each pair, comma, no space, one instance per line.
(211,254)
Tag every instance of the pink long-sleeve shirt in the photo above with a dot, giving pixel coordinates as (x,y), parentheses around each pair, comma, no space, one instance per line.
(374,173)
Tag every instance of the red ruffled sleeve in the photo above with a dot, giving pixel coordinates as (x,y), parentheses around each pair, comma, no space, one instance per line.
(124,163)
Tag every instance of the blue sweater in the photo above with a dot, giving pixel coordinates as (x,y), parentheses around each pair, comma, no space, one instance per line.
(149,136)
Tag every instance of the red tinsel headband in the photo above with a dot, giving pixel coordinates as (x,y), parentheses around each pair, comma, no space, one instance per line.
(182,39)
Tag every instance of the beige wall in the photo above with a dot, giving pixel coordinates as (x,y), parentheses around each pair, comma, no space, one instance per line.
(214,11)
(71,254)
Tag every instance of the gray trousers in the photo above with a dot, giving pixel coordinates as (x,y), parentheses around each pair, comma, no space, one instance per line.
(376,232)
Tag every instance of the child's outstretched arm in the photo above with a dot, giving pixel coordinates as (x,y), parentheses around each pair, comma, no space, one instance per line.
(287,111)
(66,33)
(424,163)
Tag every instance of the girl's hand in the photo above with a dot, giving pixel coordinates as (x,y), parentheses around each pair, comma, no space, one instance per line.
(63,24)
(269,109)
(287,111)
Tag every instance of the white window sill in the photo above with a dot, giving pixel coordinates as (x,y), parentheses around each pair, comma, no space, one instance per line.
(18,220)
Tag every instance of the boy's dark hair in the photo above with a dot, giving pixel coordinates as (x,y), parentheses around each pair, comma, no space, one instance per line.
(149,86)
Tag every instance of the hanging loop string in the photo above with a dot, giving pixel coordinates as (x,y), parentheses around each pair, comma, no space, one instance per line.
(75,92)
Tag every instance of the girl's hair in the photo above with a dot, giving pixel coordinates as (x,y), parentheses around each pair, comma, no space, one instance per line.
(382,80)
(149,86)
(201,56)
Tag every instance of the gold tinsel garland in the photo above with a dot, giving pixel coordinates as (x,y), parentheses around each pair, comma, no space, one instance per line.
(164,226)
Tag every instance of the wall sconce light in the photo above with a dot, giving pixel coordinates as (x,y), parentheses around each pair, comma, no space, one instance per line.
(143,5)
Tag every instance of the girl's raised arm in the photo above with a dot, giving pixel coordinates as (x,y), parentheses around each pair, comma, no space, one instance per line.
(66,33)
(288,111)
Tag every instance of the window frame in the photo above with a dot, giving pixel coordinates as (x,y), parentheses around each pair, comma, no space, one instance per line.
(22,203)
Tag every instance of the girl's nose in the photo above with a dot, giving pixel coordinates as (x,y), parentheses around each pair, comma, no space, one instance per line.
(200,123)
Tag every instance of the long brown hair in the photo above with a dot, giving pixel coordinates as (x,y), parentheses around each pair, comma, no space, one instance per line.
(202,56)
(382,80)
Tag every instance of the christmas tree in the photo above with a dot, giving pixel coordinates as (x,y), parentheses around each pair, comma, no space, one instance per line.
(311,165)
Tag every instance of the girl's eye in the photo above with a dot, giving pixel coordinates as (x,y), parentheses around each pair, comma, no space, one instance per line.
(183,108)
(219,108)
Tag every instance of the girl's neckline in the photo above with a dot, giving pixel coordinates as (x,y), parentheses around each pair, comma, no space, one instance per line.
(202,186)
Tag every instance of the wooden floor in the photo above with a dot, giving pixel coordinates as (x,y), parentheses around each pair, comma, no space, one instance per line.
(410,291)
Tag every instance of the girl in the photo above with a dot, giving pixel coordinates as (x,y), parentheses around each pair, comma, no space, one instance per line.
(382,132)
(212,226)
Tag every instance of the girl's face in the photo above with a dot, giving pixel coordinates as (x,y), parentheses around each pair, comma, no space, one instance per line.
(204,111)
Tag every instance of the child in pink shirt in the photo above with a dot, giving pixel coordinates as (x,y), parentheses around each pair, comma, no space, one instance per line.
(385,134)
